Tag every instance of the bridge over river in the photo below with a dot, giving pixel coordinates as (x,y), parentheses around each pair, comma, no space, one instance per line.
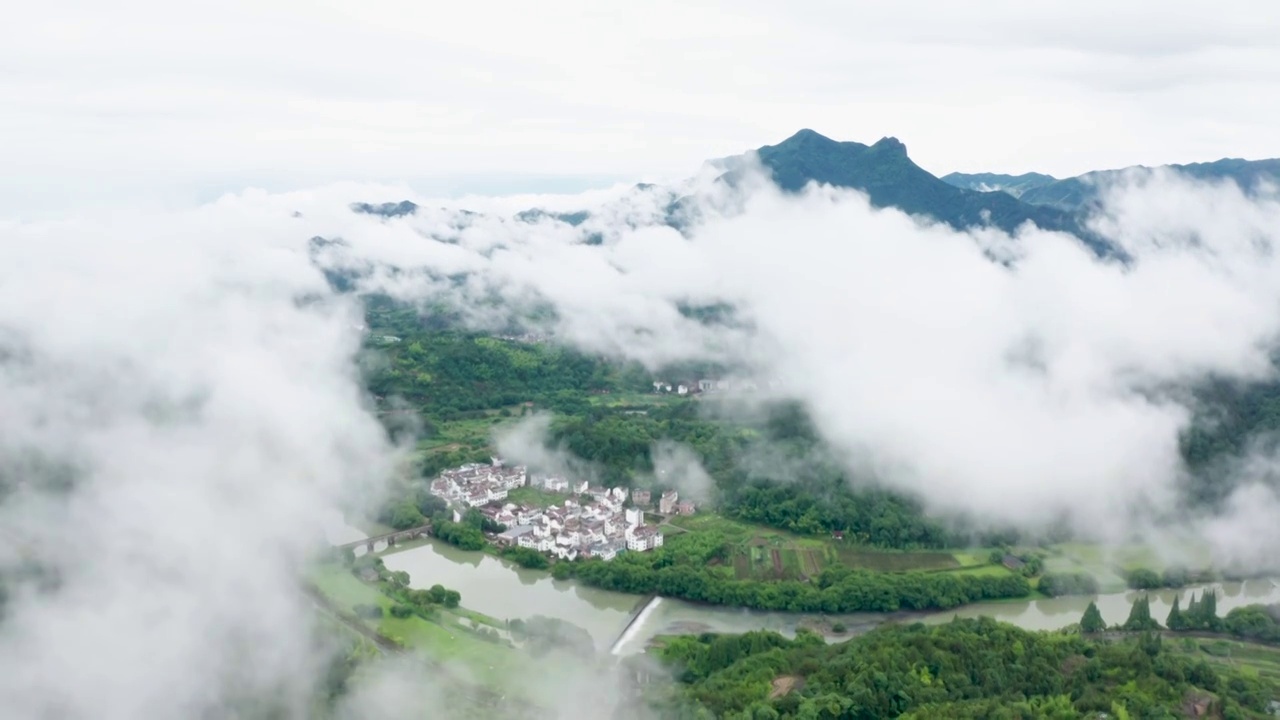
(370,544)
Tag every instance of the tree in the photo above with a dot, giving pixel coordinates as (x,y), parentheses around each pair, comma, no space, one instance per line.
(1150,643)
(1140,616)
(405,515)
(1253,621)
(1057,584)
(1092,621)
(1209,611)
(1144,579)
(1202,614)
(1175,620)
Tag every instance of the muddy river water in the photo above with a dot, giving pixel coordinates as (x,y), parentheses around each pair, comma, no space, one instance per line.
(503,590)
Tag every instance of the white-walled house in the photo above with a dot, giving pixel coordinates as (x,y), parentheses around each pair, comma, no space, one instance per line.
(644,538)
(533,541)
(633,516)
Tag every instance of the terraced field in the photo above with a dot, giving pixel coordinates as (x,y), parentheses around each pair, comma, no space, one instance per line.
(1260,660)
(763,553)
(889,561)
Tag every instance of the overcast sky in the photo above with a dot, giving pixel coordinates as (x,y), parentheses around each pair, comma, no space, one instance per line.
(178,101)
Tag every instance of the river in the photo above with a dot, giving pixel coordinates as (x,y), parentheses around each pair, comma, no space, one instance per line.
(505,591)
(1055,613)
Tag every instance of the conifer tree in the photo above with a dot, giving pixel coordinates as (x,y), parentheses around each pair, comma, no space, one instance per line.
(1140,616)
(1176,621)
(1092,621)
(1209,611)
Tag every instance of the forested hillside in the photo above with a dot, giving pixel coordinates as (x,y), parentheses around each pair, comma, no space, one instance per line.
(464,385)
(978,669)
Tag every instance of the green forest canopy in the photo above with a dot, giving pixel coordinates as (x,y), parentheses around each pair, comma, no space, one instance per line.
(451,378)
(963,669)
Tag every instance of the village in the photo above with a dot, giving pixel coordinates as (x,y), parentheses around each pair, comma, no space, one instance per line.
(591,522)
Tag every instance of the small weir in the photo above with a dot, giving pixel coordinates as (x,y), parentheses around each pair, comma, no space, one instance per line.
(635,625)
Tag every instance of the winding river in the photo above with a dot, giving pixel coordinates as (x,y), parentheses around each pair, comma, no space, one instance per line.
(505,591)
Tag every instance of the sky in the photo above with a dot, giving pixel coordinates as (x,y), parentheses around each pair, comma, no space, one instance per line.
(175,103)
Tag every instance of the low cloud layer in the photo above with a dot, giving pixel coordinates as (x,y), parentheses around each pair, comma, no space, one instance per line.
(1054,383)
(528,442)
(177,414)
(182,401)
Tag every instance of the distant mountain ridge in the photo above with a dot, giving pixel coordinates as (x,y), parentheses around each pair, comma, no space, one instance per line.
(1080,193)
(1014,185)
(888,176)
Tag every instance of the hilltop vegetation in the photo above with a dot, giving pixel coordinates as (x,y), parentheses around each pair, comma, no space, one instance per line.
(699,567)
(889,177)
(964,669)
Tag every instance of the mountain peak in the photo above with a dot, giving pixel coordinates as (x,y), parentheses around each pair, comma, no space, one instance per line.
(889,178)
(891,144)
(805,136)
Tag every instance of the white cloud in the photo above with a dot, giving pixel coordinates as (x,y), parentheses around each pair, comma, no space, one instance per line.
(1013,393)
(205,419)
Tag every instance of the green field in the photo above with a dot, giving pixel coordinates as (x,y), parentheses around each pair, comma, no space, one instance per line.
(1110,565)
(489,663)
(536,497)
(1261,661)
(981,570)
(635,400)
(898,561)
(474,433)
(764,553)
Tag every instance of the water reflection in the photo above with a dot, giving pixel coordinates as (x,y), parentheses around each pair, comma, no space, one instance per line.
(504,591)
(1056,613)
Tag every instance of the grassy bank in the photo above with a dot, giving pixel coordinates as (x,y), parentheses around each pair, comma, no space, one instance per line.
(445,640)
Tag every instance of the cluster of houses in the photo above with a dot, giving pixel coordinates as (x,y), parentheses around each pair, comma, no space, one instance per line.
(528,337)
(477,484)
(592,521)
(706,386)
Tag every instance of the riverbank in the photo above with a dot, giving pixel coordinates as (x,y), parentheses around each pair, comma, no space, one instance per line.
(502,590)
